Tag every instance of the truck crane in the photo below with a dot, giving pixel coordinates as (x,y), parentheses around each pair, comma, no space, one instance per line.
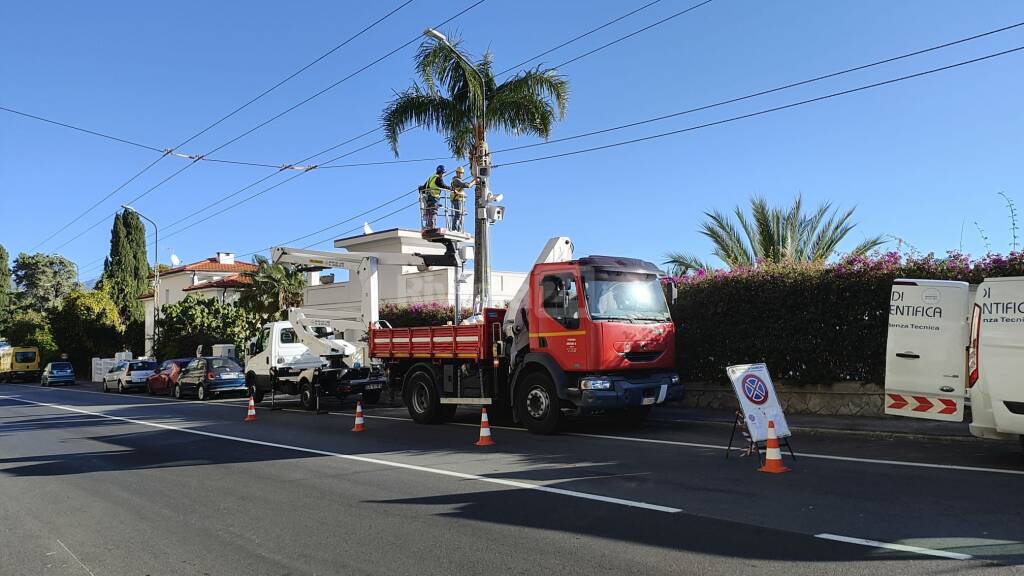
(306,354)
(581,336)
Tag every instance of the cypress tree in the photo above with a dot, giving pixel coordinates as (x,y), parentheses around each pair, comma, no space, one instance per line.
(6,304)
(125,270)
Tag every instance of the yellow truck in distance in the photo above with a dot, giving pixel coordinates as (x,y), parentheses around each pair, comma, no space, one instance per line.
(19,363)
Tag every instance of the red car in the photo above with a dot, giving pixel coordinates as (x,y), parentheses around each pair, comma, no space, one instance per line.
(163,380)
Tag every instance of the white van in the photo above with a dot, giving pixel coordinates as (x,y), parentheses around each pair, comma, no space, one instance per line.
(951,344)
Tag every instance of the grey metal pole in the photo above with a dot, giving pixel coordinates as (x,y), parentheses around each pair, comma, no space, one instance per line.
(481,235)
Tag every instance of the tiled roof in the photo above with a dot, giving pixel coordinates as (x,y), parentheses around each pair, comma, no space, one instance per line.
(211,265)
(233,281)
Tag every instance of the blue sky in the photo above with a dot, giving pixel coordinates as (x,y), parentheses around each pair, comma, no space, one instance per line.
(922,159)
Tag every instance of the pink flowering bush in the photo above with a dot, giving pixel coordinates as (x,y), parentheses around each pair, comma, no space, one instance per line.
(410,315)
(809,322)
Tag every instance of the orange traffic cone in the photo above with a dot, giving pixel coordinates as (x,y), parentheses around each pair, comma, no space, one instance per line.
(251,415)
(359,427)
(485,429)
(772,454)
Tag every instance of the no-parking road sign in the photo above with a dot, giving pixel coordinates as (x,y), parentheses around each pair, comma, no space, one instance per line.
(756,394)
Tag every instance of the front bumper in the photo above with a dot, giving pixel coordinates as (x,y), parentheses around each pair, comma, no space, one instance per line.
(229,387)
(628,391)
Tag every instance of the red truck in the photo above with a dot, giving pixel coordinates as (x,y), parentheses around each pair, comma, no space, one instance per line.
(585,336)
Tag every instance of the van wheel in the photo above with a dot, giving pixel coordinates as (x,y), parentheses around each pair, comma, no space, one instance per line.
(538,404)
(307,395)
(420,396)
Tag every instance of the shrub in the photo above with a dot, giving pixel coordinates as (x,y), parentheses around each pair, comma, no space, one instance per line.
(197,321)
(87,325)
(811,322)
(411,315)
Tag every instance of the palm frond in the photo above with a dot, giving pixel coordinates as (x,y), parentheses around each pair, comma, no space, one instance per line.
(681,263)
(414,107)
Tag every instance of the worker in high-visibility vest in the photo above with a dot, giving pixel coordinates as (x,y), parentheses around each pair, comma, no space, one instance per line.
(431,192)
(459,198)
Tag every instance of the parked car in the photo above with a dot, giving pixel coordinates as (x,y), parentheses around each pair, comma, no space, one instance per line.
(128,374)
(57,373)
(163,380)
(211,376)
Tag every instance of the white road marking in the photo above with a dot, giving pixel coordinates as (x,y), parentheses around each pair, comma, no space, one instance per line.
(899,547)
(80,563)
(377,461)
(612,437)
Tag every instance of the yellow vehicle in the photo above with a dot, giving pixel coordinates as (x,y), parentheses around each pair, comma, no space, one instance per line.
(19,363)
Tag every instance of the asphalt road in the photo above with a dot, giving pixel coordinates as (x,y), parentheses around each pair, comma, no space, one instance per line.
(104,484)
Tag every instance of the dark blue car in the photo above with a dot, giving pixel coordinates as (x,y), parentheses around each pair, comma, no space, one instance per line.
(209,376)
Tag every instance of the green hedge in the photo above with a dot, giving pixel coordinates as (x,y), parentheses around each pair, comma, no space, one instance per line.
(413,315)
(808,323)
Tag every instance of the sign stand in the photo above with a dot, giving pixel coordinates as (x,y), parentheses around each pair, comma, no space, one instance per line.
(758,404)
(757,445)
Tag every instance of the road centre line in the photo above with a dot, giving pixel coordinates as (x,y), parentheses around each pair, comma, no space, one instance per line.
(899,547)
(809,455)
(367,460)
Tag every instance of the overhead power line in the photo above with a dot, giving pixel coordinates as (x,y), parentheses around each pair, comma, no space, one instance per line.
(325,165)
(80,129)
(250,102)
(765,111)
(705,125)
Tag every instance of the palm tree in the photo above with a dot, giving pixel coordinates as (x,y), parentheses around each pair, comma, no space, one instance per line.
(451,97)
(272,288)
(774,235)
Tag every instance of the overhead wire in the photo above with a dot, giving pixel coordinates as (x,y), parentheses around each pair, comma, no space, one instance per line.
(739,117)
(381,140)
(242,107)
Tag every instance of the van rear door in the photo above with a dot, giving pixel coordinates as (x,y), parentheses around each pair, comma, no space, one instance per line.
(925,352)
(1000,354)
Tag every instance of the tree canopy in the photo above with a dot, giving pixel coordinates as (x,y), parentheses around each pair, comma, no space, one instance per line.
(774,234)
(126,270)
(85,326)
(197,321)
(272,288)
(43,280)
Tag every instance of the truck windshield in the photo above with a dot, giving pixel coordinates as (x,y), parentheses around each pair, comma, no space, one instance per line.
(614,295)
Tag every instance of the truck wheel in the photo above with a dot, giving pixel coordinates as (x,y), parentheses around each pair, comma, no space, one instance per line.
(538,404)
(421,398)
(448,411)
(307,395)
(371,397)
(250,381)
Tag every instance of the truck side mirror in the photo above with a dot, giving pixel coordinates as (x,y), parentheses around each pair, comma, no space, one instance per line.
(253,349)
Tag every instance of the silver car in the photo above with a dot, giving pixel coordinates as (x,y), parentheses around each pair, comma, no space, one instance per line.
(57,373)
(128,374)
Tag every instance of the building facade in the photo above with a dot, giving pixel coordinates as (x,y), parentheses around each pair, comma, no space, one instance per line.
(403,284)
(218,277)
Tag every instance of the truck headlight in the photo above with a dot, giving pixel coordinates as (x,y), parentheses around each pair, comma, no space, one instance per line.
(595,384)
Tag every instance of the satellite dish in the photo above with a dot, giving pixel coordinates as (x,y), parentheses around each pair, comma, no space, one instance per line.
(175,261)
(366,228)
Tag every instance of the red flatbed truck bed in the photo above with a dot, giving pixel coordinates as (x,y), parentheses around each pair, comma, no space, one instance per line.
(474,342)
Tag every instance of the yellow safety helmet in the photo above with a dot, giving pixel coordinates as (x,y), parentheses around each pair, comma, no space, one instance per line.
(460,170)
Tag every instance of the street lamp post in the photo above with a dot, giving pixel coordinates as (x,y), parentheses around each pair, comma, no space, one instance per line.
(156,267)
(481,171)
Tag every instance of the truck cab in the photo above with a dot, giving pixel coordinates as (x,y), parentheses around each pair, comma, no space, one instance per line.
(279,362)
(600,339)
